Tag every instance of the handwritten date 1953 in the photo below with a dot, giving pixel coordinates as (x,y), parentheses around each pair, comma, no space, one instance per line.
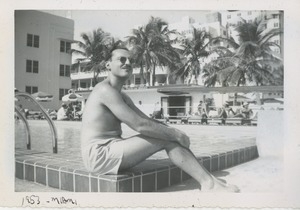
(32,199)
(35,200)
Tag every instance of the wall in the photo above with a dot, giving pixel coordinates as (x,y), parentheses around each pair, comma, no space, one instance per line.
(50,29)
(270,133)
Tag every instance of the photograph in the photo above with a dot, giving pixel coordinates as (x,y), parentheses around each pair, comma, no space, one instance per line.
(148,106)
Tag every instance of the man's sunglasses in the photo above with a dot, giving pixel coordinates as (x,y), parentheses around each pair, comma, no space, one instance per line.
(124,59)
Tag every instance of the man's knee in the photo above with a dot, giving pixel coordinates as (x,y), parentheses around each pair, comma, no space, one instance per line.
(163,144)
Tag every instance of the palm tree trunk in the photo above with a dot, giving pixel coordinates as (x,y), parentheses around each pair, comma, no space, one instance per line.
(142,74)
(148,77)
(153,75)
(236,95)
(95,79)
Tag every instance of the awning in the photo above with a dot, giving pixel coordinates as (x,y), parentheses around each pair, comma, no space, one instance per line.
(173,92)
(185,89)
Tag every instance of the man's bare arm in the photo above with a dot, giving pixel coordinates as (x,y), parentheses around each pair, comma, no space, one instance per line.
(113,99)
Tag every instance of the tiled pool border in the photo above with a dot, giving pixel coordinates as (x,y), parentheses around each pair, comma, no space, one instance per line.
(68,173)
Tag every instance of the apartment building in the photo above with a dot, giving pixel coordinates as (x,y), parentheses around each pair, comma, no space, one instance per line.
(42,58)
(273,19)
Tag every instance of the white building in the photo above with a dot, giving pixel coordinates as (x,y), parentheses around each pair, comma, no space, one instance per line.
(42,61)
(274,19)
(185,101)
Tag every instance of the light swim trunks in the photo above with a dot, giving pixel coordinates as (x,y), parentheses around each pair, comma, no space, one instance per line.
(99,157)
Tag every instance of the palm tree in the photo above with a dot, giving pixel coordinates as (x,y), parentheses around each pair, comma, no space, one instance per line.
(94,50)
(193,50)
(151,47)
(252,58)
(211,74)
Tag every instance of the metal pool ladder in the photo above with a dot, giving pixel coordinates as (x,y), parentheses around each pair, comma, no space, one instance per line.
(51,124)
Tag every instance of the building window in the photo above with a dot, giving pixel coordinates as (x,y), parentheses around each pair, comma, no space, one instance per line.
(67,71)
(64,70)
(65,46)
(228,16)
(33,40)
(276,25)
(83,85)
(238,14)
(62,92)
(137,81)
(61,70)
(31,89)
(32,66)
(249,13)
(224,33)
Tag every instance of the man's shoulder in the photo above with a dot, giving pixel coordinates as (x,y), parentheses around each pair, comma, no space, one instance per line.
(103,88)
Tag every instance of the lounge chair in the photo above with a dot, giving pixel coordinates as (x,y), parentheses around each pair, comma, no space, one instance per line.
(234,121)
(218,121)
(197,119)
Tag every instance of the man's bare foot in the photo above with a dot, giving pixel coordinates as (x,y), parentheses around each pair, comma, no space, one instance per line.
(216,185)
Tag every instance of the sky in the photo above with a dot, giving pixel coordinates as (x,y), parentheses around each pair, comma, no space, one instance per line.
(120,22)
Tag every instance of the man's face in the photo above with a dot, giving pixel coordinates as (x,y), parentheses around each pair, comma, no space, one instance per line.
(120,64)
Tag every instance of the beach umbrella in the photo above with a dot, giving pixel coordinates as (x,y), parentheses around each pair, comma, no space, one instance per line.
(42,96)
(72,97)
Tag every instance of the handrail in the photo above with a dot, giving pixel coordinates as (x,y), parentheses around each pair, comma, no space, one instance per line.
(52,126)
(27,128)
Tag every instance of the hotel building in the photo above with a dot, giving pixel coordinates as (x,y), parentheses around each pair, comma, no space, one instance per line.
(42,58)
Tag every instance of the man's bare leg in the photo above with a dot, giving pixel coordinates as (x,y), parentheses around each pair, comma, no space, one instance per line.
(138,148)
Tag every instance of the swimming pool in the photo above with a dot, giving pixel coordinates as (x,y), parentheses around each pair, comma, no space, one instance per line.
(202,136)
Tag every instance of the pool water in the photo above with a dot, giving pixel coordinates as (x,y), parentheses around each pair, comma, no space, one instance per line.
(202,136)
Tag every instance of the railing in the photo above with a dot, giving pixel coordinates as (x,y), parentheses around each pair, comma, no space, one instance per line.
(51,124)
(141,86)
(183,111)
(21,116)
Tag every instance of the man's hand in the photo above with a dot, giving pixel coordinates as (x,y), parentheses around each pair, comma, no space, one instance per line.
(185,141)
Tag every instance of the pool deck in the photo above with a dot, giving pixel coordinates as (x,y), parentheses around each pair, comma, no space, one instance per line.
(65,171)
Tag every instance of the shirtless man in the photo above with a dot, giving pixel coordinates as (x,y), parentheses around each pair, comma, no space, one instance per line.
(103,149)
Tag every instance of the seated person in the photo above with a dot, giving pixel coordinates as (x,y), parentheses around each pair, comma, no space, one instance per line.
(103,149)
(62,112)
(224,111)
(245,112)
(157,112)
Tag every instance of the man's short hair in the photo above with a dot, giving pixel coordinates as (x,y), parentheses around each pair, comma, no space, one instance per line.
(115,48)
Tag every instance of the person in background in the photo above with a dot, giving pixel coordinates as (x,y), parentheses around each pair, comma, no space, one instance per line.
(62,112)
(245,112)
(157,112)
(225,111)
(200,108)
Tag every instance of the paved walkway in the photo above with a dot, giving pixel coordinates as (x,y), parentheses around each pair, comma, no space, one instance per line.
(263,175)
